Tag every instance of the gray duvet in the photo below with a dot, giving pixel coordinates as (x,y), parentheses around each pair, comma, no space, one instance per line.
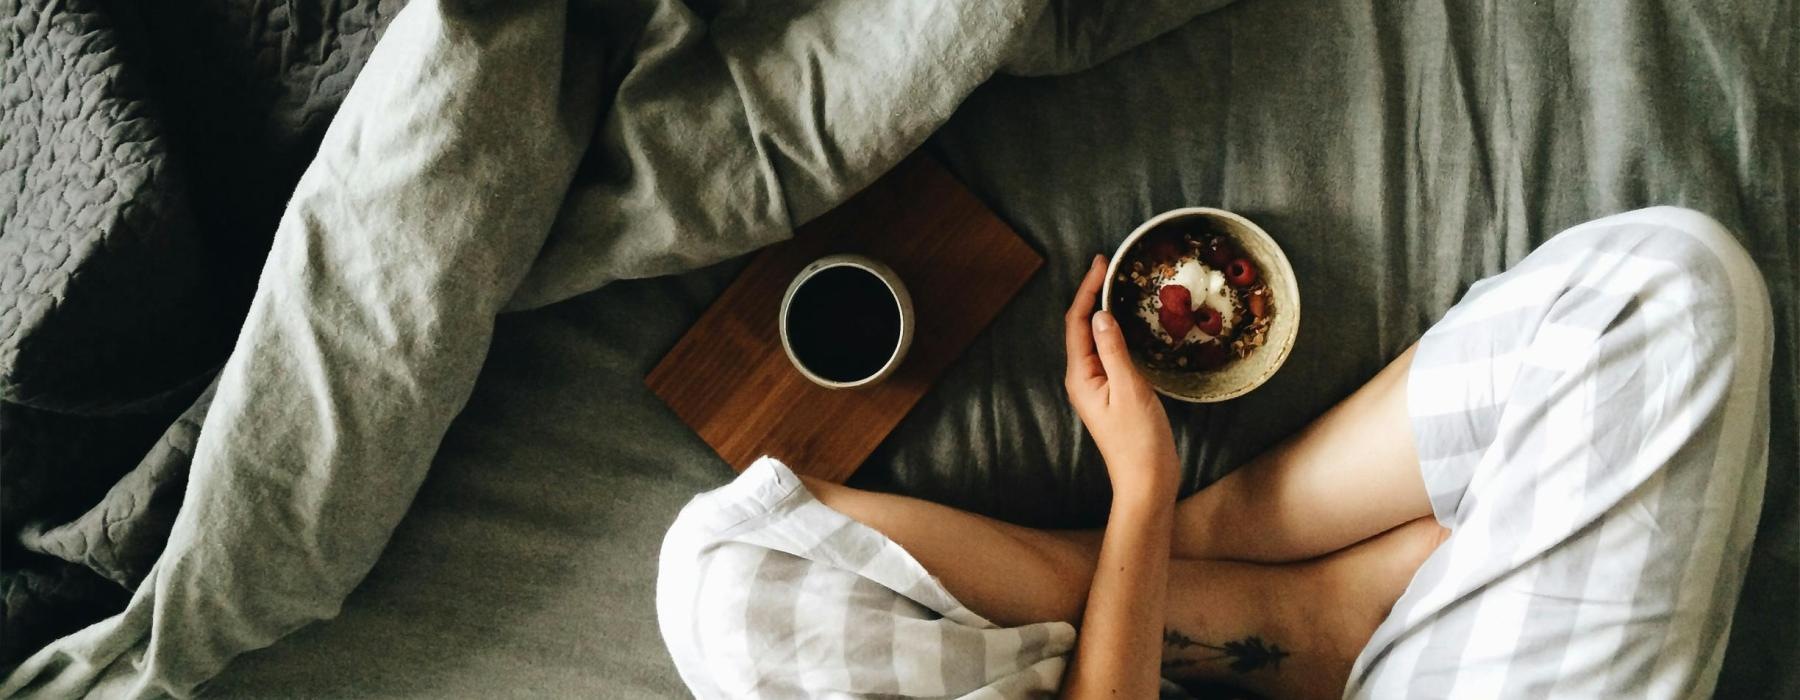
(1398,153)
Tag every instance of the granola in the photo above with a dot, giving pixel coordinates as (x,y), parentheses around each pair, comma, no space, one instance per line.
(1189,298)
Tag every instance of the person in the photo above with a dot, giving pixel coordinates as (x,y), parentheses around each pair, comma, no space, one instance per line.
(1551,493)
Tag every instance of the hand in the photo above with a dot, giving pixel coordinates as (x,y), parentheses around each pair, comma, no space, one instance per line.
(1116,404)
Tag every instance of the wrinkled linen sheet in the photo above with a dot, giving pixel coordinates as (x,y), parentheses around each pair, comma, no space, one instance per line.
(1398,153)
(509,155)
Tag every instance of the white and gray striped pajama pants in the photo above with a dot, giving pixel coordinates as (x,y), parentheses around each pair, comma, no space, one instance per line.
(1592,427)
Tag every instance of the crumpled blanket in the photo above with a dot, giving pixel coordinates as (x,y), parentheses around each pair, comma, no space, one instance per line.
(495,156)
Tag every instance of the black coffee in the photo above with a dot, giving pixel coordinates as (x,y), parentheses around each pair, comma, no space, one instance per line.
(843,324)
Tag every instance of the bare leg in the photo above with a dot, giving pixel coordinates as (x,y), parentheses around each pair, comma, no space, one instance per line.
(1012,575)
(1348,475)
(1288,630)
(1309,618)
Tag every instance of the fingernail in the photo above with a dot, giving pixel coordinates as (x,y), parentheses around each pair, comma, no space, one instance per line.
(1103,321)
(1099,259)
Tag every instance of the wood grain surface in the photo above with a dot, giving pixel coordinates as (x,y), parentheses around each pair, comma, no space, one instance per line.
(729,380)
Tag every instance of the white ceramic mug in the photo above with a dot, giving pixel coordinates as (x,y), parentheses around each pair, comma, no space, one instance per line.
(902,304)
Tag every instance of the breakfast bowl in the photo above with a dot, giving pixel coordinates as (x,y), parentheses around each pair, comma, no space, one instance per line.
(1207,301)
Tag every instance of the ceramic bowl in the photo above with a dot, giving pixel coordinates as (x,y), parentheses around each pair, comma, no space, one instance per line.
(1242,375)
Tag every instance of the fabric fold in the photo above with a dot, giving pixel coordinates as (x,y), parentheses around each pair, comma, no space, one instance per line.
(473,169)
(429,196)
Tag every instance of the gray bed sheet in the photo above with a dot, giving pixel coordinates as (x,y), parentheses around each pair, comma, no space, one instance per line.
(526,565)
(1398,153)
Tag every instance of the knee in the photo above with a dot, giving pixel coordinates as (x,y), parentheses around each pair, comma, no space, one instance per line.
(838,497)
(1715,260)
(1705,271)
(1665,280)
(1710,243)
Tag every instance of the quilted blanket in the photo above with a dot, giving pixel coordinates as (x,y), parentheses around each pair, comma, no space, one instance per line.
(144,159)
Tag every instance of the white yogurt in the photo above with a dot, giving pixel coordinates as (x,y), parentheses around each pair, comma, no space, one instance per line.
(1206,287)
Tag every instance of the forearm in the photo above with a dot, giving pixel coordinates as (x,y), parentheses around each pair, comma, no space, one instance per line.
(1121,638)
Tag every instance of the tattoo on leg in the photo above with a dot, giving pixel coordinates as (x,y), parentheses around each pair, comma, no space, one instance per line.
(1245,655)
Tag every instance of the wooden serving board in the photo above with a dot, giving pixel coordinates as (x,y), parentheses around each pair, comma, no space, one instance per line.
(729,380)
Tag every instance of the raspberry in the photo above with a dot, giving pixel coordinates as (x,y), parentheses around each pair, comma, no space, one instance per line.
(1207,319)
(1240,273)
(1177,313)
(1212,355)
(1162,249)
(1218,252)
(1176,295)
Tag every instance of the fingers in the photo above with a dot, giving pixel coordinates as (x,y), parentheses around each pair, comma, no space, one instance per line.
(1077,336)
(1113,356)
(1090,286)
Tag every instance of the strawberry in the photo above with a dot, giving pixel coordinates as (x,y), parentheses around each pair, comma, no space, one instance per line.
(1177,312)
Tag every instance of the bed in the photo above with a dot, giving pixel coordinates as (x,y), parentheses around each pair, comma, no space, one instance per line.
(1397,151)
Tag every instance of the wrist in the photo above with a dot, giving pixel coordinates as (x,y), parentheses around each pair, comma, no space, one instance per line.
(1144,477)
(1142,500)
(1144,516)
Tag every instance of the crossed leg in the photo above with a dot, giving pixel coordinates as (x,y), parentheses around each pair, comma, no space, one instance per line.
(1283,568)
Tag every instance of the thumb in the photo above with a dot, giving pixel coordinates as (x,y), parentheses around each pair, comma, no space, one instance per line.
(1110,342)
